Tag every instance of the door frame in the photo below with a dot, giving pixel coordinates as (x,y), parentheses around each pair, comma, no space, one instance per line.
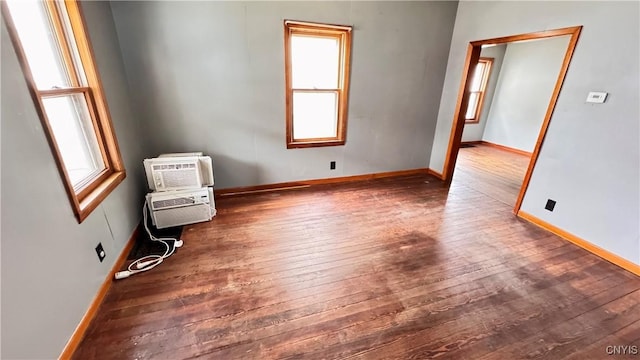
(473,54)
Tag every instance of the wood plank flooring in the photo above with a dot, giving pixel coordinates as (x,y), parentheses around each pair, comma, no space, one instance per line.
(494,172)
(400,268)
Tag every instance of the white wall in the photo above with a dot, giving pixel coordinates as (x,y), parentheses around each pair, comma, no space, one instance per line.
(589,161)
(50,271)
(474,131)
(210,76)
(529,73)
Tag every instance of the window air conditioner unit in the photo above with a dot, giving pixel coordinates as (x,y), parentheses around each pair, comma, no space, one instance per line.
(179,171)
(181,207)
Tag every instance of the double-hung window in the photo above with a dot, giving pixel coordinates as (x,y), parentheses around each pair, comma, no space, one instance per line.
(317,60)
(54,51)
(478,88)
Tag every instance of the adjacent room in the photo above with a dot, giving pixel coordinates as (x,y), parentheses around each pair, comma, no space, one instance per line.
(513,87)
(384,179)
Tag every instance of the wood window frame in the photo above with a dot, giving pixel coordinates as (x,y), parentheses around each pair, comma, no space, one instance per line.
(87,195)
(483,89)
(343,34)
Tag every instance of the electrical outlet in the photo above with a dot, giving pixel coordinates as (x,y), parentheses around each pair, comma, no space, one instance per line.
(550,204)
(100,252)
(332,165)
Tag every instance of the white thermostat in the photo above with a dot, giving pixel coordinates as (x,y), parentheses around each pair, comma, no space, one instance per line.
(596,97)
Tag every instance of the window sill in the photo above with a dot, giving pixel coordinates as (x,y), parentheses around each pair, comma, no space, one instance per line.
(472,121)
(315,143)
(94,198)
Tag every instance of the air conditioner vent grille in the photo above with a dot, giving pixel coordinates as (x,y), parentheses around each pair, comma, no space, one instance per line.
(160,204)
(182,215)
(174,166)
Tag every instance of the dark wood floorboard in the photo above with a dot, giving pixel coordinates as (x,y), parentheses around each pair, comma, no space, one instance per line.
(392,268)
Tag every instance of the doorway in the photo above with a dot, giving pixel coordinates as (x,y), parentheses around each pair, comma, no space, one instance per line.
(468,93)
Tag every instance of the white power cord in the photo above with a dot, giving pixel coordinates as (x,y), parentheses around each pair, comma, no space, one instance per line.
(148,262)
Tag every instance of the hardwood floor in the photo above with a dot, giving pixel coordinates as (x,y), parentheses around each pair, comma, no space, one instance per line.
(492,171)
(392,268)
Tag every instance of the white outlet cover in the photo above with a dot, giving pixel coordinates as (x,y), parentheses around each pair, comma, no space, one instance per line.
(596,97)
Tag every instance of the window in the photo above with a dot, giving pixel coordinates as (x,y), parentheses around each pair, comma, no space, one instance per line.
(317,76)
(54,51)
(478,87)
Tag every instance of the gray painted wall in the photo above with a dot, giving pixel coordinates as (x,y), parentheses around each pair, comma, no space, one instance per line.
(527,79)
(473,132)
(210,76)
(50,272)
(589,159)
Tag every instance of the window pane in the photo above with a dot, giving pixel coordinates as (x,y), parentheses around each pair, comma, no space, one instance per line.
(315,115)
(473,105)
(39,43)
(476,82)
(75,136)
(314,62)
(73,46)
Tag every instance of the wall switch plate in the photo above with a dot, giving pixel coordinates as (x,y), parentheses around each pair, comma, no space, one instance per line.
(550,205)
(332,165)
(100,252)
(596,97)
